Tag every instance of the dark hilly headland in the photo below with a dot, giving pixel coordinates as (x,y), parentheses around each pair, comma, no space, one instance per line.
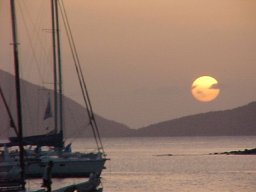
(239,152)
(34,100)
(240,121)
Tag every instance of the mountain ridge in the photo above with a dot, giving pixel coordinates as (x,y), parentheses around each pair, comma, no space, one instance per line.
(238,121)
(34,103)
(232,122)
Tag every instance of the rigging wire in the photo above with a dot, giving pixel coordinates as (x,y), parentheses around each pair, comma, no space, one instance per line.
(25,92)
(34,49)
(75,123)
(12,123)
(81,78)
(80,129)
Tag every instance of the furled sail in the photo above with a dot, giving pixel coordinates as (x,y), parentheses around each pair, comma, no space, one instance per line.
(54,140)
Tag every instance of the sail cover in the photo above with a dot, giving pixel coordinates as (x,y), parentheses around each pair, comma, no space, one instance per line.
(54,140)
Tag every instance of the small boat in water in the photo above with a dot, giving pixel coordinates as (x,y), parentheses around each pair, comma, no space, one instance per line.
(66,164)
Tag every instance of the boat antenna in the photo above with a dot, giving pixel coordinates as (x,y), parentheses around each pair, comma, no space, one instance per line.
(18,92)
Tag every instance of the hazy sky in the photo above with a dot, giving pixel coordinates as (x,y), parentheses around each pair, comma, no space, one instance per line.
(140,57)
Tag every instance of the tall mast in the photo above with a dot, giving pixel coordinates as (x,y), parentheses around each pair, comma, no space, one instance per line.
(54,67)
(58,96)
(18,92)
(60,68)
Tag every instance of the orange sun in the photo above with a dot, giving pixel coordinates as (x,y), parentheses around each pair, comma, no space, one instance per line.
(205,89)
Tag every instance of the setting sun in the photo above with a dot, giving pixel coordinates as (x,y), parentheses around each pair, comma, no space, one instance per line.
(205,89)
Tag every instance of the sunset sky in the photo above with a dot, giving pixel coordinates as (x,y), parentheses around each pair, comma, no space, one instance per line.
(140,57)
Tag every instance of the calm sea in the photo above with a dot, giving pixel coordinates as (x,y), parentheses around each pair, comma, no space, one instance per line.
(142,164)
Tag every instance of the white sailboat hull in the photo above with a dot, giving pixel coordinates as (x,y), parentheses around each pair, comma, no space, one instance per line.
(63,168)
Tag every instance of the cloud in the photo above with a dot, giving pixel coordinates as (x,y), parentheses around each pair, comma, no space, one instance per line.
(194,86)
(214,86)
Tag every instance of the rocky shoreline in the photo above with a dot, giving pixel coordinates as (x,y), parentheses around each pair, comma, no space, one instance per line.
(243,152)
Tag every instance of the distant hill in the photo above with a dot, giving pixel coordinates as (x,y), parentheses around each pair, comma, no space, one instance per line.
(35,100)
(235,122)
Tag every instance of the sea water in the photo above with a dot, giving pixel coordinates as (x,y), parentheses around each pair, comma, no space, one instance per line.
(145,165)
(176,164)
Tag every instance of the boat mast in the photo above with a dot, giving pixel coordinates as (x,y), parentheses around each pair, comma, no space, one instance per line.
(18,92)
(54,68)
(59,67)
(58,95)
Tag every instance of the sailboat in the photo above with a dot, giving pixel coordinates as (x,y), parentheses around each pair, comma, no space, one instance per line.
(21,164)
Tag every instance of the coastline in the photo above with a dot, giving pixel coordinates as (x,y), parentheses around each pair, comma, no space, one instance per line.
(239,152)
